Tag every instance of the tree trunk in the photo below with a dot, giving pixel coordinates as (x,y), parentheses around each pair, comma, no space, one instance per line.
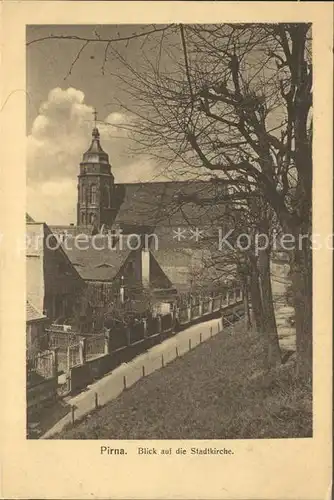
(248,320)
(255,294)
(301,273)
(270,329)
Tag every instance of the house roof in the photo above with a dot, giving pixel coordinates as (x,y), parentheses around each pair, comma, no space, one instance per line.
(164,204)
(188,268)
(97,262)
(29,218)
(32,313)
(70,230)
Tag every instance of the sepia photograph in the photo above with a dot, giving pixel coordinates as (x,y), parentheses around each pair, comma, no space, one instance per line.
(166,250)
(169,232)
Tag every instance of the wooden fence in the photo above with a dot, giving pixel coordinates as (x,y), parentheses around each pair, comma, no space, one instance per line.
(95,345)
(41,386)
(42,365)
(123,342)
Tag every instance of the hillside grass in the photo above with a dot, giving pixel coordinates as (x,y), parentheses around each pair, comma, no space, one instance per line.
(216,391)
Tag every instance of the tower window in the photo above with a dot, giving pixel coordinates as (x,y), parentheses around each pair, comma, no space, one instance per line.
(93,193)
(84,194)
(83,218)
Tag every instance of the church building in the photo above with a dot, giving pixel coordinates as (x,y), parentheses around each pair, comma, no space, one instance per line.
(176,213)
(103,204)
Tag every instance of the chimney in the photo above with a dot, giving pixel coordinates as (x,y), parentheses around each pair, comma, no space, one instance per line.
(121,290)
(145,267)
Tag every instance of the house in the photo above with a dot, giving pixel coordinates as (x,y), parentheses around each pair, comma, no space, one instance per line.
(54,286)
(192,269)
(115,273)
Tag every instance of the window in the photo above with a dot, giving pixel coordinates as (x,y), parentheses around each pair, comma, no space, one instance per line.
(84,194)
(93,193)
(83,218)
(91,218)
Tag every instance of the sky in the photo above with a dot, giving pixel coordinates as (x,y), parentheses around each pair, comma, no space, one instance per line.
(66,80)
(61,98)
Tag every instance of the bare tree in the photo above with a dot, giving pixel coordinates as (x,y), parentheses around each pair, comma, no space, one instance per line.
(238,105)
(252,221)
(234,102)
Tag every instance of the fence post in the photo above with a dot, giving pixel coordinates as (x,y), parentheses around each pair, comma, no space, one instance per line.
(210,304)
(189,344)
(124,381)
(222,321)
(210,331)
(143,370)
(200,308)
(107,342)
(200,338)
(145,327)
(55,362)
(162,360)
(82,350)
(177,352)
(72,414)
(96,401)
(68,359)
(159,324)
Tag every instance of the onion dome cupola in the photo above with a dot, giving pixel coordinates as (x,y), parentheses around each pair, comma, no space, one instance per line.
(95,160)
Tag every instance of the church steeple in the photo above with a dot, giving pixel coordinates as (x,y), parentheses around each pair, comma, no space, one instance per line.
(95,205)
(95,154)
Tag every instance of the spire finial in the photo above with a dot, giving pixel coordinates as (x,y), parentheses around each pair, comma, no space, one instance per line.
(95,132)
(95,117)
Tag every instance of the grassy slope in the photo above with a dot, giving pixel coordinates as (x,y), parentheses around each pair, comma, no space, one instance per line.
(210,393)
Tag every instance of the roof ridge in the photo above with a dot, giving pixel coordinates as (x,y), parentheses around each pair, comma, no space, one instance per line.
(140,183)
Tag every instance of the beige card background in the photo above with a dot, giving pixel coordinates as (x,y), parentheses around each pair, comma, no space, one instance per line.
(259,469)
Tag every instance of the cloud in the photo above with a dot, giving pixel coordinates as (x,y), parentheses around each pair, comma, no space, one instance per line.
(60,134)
(53,202)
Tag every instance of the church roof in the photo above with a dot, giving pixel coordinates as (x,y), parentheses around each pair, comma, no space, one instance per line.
(163,204)
(189,268)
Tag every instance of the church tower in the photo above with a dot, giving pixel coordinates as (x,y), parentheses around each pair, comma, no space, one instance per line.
(96,203)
